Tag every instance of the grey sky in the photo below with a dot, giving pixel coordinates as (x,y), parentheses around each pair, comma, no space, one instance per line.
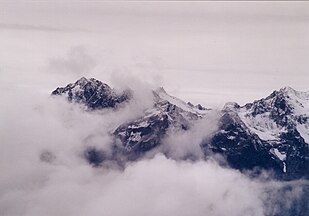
(207,52)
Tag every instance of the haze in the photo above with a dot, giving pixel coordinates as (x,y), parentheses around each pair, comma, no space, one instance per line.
(204,52)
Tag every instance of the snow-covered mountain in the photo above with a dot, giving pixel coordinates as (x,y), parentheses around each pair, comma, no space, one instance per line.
(271,133)
(168,113)
(92,93)
(133,138)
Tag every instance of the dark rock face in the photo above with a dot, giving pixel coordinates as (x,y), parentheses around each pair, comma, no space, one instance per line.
(143,134)
(266,134)
(242,149)
(92,93)
(297,151)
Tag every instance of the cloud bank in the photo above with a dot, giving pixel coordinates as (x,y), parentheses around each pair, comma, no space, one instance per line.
(44,171)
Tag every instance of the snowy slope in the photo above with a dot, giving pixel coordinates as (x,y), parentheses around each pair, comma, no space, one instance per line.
(276,126)
(168,113)
(188,107)
(295,108)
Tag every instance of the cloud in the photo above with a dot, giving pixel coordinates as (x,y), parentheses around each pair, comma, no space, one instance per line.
(44,172)
(77,62)
(179,144)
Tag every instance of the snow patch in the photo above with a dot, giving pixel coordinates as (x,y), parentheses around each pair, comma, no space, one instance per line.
(179,103)
(284,167)
(303,130)
(281,156)
(142,124)
(262,125)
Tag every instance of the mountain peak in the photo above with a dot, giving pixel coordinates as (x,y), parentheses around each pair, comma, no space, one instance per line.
(162,95)
(231,106)
(291,94)
(82,81)
(160,90)
(92,93)
(288,90)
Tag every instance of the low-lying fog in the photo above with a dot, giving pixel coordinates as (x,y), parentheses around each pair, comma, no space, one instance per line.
(34,122)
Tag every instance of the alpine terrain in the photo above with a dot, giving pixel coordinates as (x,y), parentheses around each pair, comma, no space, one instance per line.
(268,134)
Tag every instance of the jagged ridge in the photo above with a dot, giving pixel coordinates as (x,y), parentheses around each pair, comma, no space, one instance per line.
(92,93)
(271,133)
(168,113)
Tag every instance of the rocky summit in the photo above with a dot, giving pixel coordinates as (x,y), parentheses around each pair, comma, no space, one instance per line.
(92,93)
(270,133)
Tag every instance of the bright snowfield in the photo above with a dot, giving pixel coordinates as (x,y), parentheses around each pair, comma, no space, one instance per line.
(203,52)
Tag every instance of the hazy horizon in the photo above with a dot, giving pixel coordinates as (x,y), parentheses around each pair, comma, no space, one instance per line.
(204,52)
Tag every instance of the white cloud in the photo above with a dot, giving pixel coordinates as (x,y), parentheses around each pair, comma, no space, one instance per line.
(179,144)
(32,122)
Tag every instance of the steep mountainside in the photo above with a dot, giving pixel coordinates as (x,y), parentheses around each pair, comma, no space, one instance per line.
(92,93)
(168,113)
(271,133)
(140,135)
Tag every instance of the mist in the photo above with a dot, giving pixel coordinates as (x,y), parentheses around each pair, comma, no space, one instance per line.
(202,52)
(43,139)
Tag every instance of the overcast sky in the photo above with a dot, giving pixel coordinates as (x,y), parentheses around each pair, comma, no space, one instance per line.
(207,52)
